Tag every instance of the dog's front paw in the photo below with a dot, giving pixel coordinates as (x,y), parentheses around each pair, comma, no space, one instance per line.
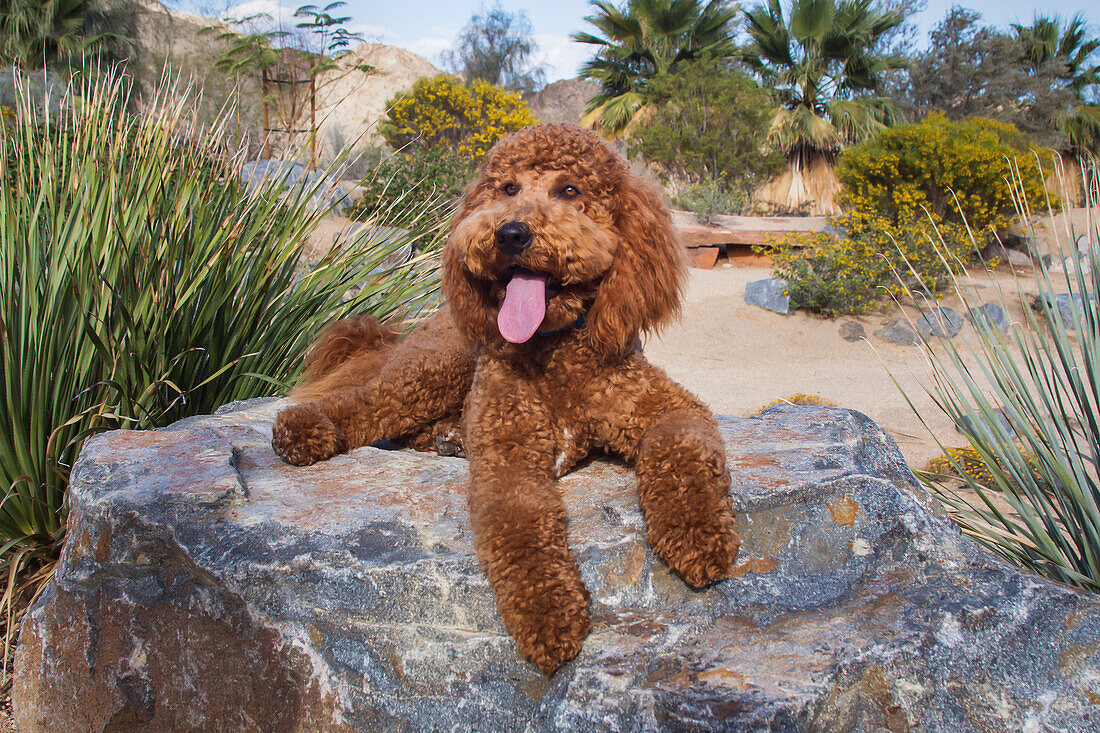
(549,619)
(303,435)
(700,553)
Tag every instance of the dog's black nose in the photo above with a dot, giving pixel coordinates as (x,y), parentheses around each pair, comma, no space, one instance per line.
(513,237)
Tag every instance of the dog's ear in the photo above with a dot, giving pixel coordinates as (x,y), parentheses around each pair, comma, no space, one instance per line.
(642,290)
(463,294)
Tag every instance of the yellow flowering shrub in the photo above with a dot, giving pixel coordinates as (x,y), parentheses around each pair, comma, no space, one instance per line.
(968,461)
(444,111)
(910,194)
(850,273)
(949,171)
(827,274)
(798,398)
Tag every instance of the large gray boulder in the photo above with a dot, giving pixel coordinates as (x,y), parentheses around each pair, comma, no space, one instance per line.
(206,585)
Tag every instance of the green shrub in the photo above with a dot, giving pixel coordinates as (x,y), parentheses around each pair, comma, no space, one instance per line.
(443,112)
(921,199)
(851,273)
(710,198)
(949,171)
(828,275)
(415,183)
(140,282)
(707,124)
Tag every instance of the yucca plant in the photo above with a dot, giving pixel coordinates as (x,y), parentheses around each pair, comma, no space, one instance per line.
(1027,402)
(142,282)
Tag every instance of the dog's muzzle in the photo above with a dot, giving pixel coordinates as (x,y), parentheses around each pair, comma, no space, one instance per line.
(513,237)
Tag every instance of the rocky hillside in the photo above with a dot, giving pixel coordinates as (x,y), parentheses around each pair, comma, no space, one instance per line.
(170,46)
(177,51)
(562,101)
(351,104)
(170,51)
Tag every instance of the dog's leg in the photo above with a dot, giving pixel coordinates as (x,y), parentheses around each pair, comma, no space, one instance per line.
(683,488)
(683,482)
(426,379)
(519,522)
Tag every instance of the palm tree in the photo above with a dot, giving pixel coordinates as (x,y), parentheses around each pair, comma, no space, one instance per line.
(1045,44)
(820,58)
(644,39)
(37,32)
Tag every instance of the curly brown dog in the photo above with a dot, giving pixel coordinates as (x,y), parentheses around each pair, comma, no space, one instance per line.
(559,258)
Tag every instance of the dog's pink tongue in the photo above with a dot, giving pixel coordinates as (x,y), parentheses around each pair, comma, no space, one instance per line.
(524,306)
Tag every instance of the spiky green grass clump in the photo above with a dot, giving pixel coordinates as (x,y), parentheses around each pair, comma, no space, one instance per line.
(1028,402)
(141,282)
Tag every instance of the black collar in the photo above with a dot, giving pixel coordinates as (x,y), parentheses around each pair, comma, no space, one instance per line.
(575,324)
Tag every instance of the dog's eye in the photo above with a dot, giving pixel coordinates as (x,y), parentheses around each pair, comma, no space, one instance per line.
(510,189)
(569,192)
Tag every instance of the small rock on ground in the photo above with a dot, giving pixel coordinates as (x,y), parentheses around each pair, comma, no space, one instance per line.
(943,321)
(989,313)
(1071,265)
(1064,303)
(769,293)
(984,426)
(898,331)
(852,331)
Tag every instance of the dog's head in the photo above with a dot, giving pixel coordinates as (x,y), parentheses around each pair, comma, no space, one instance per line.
(556,234)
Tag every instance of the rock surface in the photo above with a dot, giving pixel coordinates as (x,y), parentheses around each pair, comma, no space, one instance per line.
(562,101)
(1016,258)
(1081,263)
(898,331)
(296,179)
(350,106)
(943,322)
(398,243)
(769,293)
(852,331)
(206,585)
(990,314)
(1066,304)
(980,425)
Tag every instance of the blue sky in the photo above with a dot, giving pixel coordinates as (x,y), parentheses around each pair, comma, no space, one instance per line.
(427,27)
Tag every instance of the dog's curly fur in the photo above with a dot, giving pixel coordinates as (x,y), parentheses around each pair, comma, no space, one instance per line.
(530,411)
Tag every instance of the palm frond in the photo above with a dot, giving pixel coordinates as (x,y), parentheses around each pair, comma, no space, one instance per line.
(641,40)
(820,59)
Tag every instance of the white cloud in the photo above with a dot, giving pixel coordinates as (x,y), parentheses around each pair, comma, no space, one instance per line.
(561,55)
(372,33)
(269,8)
(429,48)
